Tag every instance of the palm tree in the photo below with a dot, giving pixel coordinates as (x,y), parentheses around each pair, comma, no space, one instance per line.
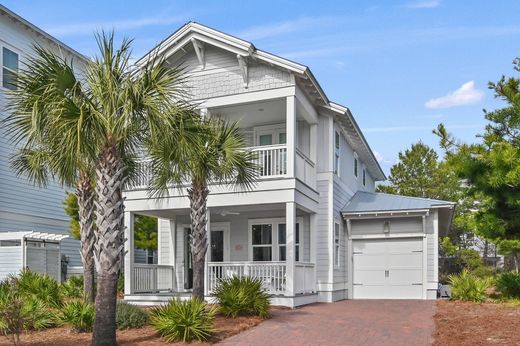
(111,114)
(215,155)
(44,154)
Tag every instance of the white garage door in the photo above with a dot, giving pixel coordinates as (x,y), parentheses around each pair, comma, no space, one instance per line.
(388,269)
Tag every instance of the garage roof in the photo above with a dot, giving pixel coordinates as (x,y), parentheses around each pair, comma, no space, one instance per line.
(363,202)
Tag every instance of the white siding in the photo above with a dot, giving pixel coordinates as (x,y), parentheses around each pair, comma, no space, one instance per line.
(322,233)
(430,246)
(341,197)
(23,206)
(397,225)
(10,260)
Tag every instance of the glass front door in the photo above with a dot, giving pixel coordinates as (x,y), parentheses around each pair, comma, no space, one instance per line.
(217,246)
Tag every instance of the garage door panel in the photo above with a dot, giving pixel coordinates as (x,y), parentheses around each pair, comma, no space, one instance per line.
(388,269)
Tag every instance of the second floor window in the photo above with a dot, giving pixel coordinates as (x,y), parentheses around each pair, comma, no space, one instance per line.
(336,152)
(9,68)
(355,167)
(364,177)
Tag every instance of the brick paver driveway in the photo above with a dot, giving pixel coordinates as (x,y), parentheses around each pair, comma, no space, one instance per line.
(348,322)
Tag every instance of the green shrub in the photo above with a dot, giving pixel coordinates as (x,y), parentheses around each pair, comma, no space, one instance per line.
(79,314)
(242,296)
(39,286)
(508,283)
(467,286)
(130,316)
(183,320)
(72,288)
(19,313)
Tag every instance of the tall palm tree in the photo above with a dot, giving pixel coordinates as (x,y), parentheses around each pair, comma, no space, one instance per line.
(112,114)
(43,154)
(215,155)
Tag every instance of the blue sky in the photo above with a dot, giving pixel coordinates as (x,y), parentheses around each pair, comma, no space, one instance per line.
(401,66)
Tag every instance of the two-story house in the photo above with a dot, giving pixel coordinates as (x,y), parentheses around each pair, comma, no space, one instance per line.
(312,229)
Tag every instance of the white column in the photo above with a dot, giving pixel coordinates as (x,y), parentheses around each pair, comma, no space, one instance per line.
(208,237)
(129,252)
(290,227)
(291,133)
(313,142)
(313,218)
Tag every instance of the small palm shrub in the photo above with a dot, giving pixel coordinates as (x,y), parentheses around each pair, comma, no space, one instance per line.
(242,296)
(39,286)
(19,312)
(508,284)
(183,320)
(73,287)
(467,286)
(130,316)
(79,314)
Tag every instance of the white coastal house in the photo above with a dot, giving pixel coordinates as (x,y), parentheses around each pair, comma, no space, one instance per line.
(312,229)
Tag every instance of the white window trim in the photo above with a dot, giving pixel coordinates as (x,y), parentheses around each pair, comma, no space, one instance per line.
(13,49)
(337,247)
(273,129)
(274,237)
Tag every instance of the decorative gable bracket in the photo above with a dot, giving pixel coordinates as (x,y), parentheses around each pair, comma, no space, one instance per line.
(199,50)
(243,68)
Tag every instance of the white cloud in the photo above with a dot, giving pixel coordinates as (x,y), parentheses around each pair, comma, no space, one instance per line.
(465,95)
(380,158)
(87,28)
(289,26)
(424,4)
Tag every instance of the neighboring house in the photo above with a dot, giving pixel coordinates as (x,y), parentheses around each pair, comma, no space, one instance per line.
(24,207)
(312,229)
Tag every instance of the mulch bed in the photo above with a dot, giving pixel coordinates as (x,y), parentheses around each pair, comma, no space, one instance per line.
(225,327)
(466,323)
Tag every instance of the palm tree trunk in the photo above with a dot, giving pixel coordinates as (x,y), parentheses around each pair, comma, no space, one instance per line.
(198,195)
(85,194)
(109,221)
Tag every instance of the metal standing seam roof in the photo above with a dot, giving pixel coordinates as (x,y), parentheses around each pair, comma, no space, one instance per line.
(379,202)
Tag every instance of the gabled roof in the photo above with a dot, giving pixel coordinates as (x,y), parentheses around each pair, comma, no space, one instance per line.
(7,12)
(194,31)
(363,202)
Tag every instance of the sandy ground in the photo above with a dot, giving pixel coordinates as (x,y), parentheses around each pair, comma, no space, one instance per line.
(465,323)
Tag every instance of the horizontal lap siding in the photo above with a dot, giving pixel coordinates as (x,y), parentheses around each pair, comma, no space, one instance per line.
(397,225)
(10,260)
(430,246)
(322,233)
(341,198)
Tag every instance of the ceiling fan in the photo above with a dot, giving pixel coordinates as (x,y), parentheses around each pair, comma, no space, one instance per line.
(227,212)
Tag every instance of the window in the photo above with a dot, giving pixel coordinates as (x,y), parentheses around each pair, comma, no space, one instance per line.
(355,166)
(268,247)
(336,152)
(336,245)
(262,242)
(364,177)
(9,68)
(14,242)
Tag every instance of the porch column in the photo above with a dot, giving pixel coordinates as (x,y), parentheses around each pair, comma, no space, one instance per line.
(291,133)
(313,220)
(290,228)
(129,253)
(208,247)
(313,144)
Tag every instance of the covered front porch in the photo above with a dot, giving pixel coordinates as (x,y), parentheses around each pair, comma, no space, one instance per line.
(273,242)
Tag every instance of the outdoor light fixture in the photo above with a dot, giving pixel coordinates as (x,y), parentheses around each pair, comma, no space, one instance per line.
(386,226)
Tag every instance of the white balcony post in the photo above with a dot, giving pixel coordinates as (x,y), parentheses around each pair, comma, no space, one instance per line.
(291,134)
(313,231)
(208,249)
(313,142)
(290,228)
(129,253)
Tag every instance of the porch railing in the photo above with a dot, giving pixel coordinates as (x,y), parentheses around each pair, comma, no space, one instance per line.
(305,169)
(270,159)
(304,277)
(152,278)
(272,274)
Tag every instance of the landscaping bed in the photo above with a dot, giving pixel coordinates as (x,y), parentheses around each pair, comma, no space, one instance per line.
(225,327)
(468,323)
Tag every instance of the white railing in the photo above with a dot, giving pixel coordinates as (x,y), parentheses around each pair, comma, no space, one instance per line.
(144,167)
(304,277)
(151,278)
(305,169)
(272,274)
(271,159)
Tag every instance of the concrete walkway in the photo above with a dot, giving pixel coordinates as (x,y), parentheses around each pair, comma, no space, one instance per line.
(348,322)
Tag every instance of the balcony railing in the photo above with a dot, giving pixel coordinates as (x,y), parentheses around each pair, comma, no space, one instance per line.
(153,278)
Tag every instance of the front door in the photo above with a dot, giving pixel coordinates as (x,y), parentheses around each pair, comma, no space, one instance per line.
(188,263)
(217,246)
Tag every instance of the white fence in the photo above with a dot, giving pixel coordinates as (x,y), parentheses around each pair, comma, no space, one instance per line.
(151,278)
(272,274)
(271,159)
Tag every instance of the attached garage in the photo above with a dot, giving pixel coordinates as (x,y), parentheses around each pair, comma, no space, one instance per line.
(393,245)
(388,268)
